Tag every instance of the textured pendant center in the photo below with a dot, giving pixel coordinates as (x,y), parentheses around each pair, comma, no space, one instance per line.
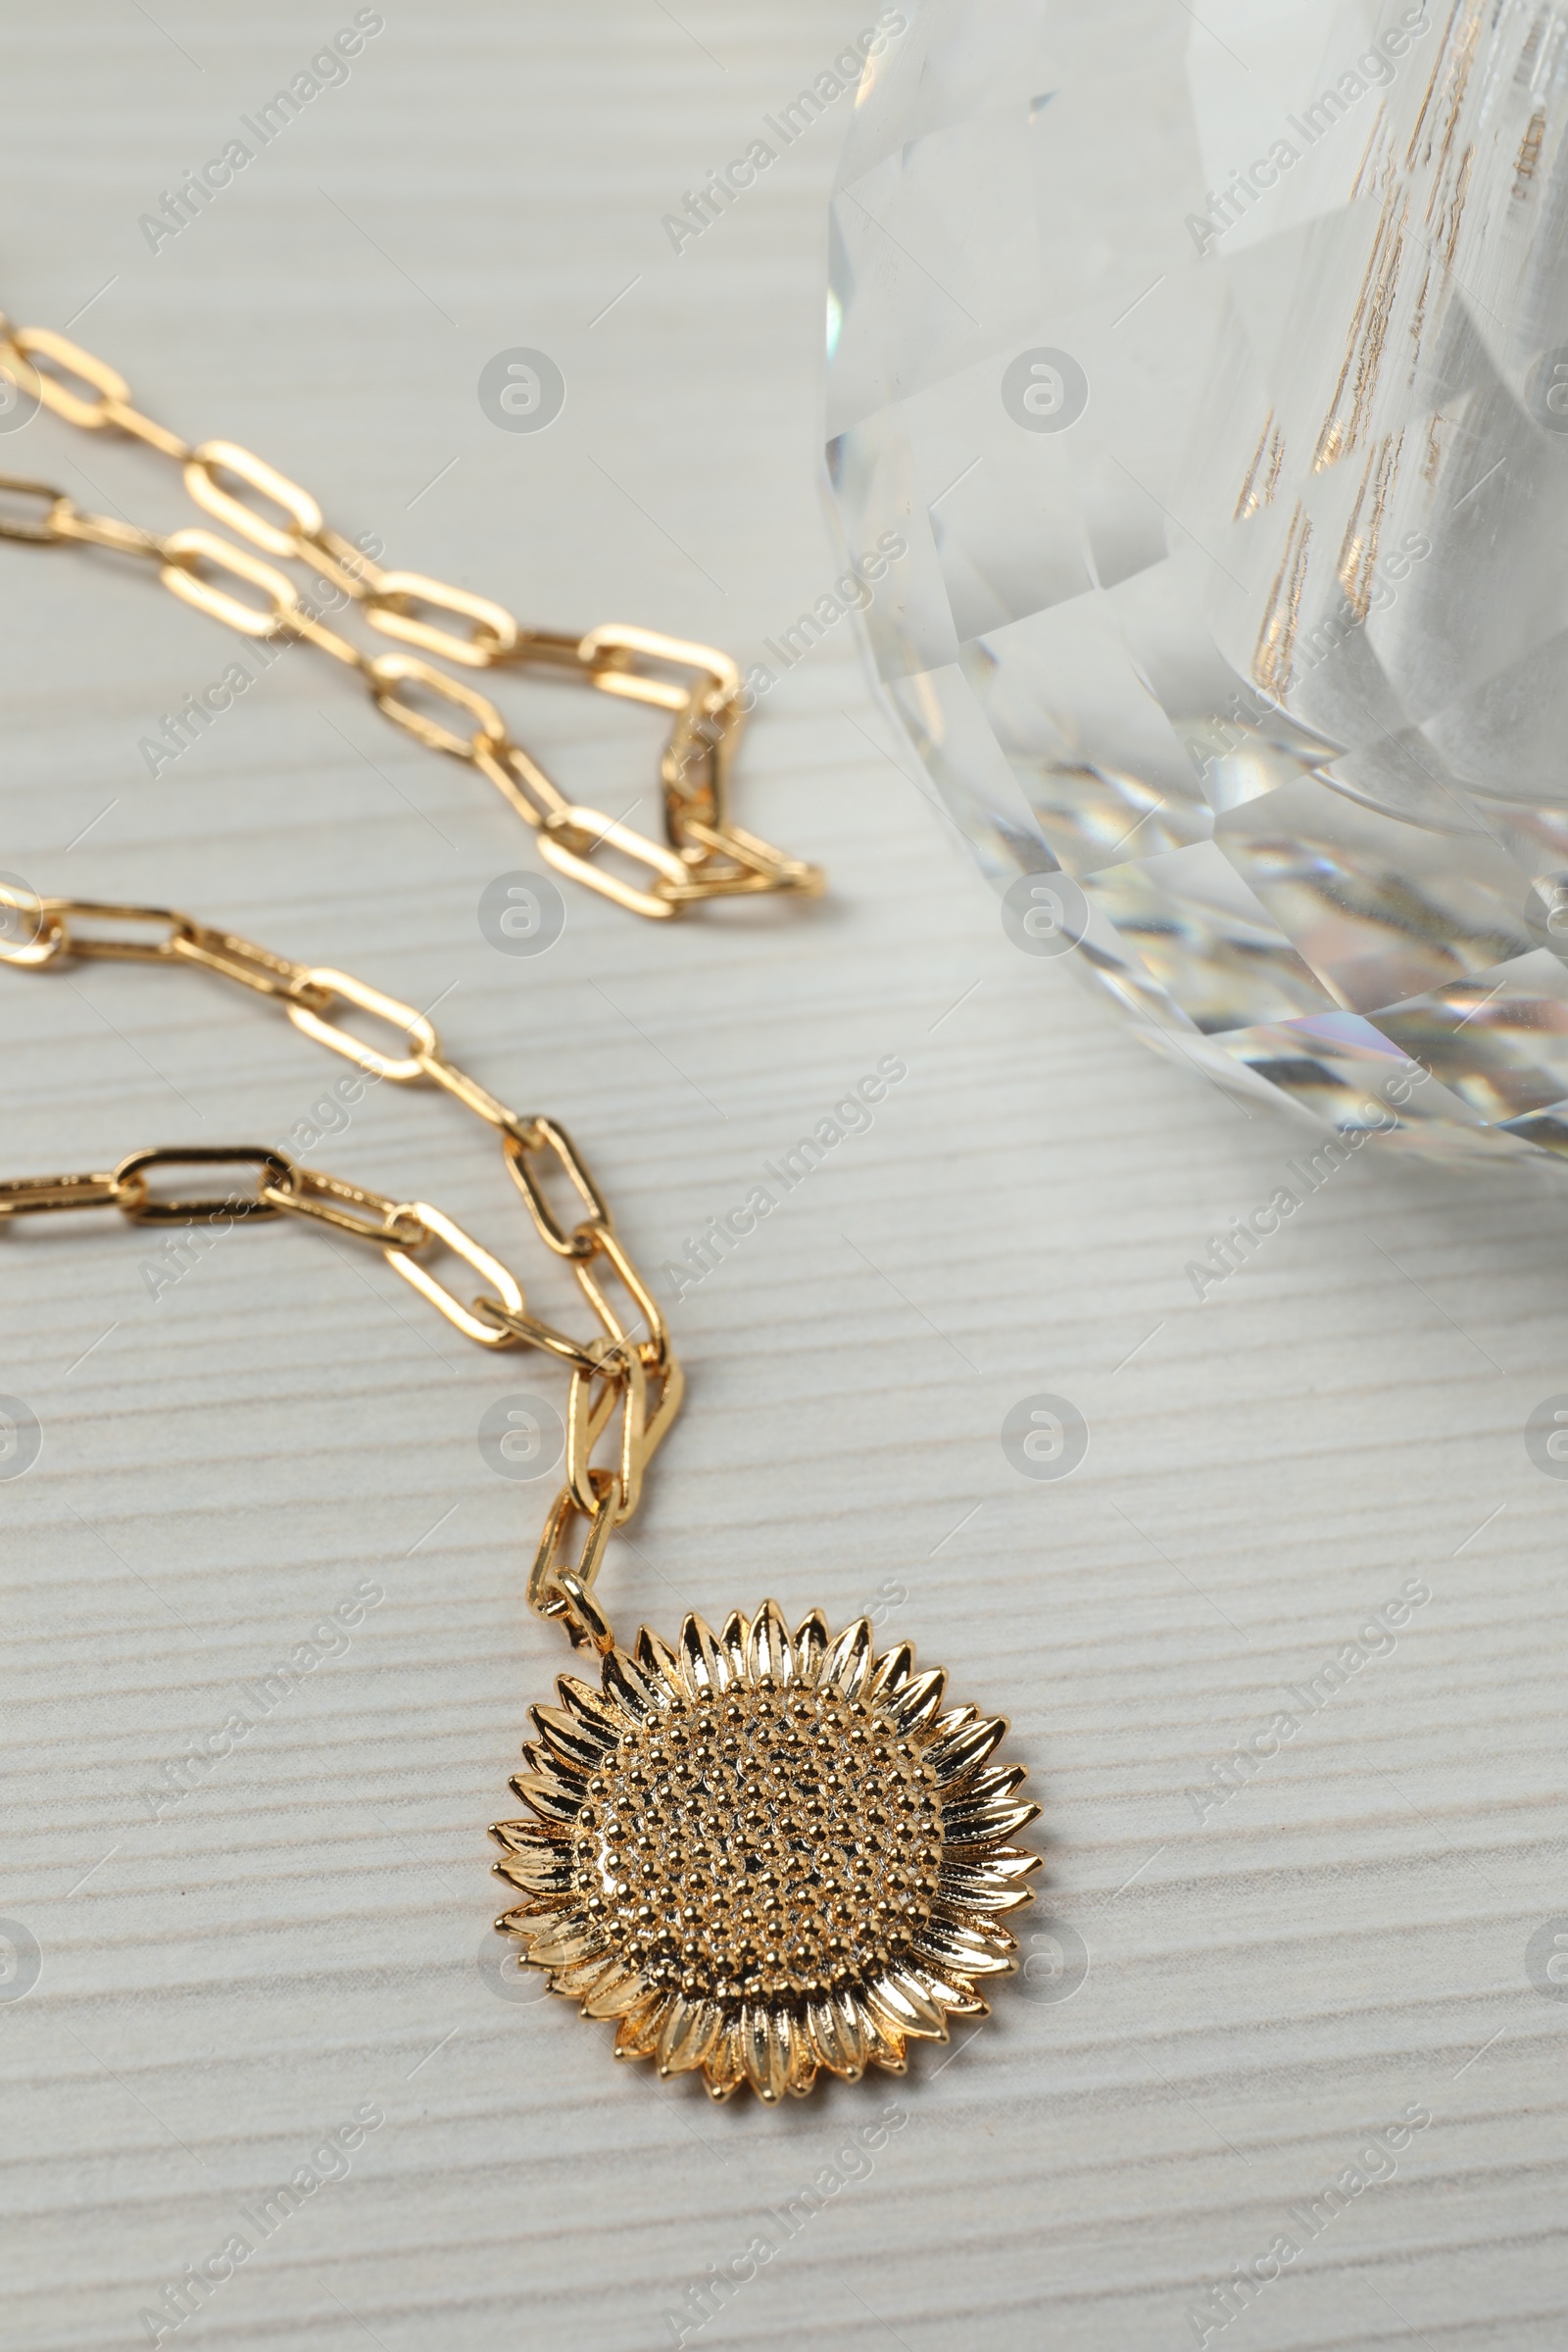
(760,1841)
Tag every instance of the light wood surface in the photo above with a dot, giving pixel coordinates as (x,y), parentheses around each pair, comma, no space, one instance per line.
(1344,1938)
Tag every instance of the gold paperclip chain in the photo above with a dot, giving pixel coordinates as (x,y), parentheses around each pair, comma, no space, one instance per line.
(625,1379)
(703,855)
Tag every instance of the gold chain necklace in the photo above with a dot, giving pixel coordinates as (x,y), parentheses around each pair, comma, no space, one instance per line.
(765,1851)
(705,855)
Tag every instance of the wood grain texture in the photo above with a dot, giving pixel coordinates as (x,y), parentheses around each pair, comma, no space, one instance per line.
(1342,1938)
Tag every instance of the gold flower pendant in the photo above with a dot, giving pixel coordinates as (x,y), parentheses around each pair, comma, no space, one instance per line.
(765,1852)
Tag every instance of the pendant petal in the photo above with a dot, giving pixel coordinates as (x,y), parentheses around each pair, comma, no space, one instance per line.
(812,1637)
(847,1666)
(966,1950)
(546,1797)
(530,1917)
(884,2046)
(734,1635)
(836,2032)
(769,1651)
(526,1920)
(966,1747)
(972,1891)
(655,1658)
(567,1938)
(917,1702)
(893,1670)
(973,1824)
(800,2053)
(1010,1862)
(992,1780)
(638,2033)
(592,1709)
(642,1696)
(725,2069)
(571,1740)
(532,1837)
(688,2033)
(585,1976)
(957,2000)
(762,2053)
(900,2004)
(546,1880)
(617,1994)
(854,2027)
(702,1665)
(547,1766)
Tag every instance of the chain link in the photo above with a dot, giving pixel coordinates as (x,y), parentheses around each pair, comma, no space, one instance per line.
(625,1380)
(703,855)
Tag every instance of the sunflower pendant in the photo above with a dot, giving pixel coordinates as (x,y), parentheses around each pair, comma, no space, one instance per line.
(766,1853)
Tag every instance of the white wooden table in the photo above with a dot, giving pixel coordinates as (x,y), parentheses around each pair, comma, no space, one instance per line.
(1344,1937)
